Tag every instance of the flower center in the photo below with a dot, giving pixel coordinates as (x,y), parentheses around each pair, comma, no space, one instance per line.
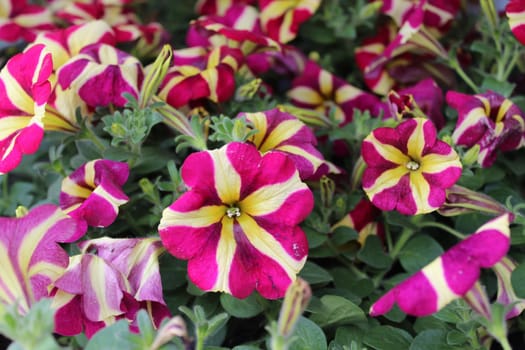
(232,212)
(412,165)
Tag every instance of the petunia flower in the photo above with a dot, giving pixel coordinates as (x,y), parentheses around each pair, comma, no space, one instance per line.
(408,168)
(451,275)
(197,74)
(24,91)
(515,10)
(319,89)
(111,279)
(363,219)
(218,7)
(101,74)
(238,224)
(20,20)
(506,294)
(489,120)
(283,132)
(281,20)
(30,256)
(94,193)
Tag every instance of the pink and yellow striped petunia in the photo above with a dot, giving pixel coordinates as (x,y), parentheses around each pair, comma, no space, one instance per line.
(363,219)
(30,257)
(119,278)
(408,168)
(283,132)
(318,89)
(197,75)
(24,91)
(489,120)
(218,7)
(102,74)
(280,19)
(238,224)
(515,11)
(20,20)
(451,275)
(94,193)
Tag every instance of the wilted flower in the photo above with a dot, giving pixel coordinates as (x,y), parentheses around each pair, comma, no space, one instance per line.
(281,19)
(30,256)
(112,279)
(238,223)
(24,91)
(93,192)
(489,120)
(408,168)
(506,294)
(451,275)
(280,131)
(102,74)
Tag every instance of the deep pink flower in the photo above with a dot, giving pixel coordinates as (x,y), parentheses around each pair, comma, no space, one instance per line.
(101,74)
(489,120)
(20,20)
(24,90)
(451,275)
(30,256)
(408,168)
(238,224)
(515,11)
(93,192)
(363,219)
(112,279)
(283,132)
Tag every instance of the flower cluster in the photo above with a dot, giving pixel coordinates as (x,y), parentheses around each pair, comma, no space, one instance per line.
(294,149)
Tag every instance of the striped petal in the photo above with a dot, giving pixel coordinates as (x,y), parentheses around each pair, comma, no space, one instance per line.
(283,132)
(281,19)
(506,294)
(408,169)
(237,225)
(101,74)
(451,275)
(363,219)
(515,11)
(94,193)
(489,120)
(21,20)
(24,91)
(30,257)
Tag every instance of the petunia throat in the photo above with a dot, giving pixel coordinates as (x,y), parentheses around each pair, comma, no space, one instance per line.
(233,211)
(412,165)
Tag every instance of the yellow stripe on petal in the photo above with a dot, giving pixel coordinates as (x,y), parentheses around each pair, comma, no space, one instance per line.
(282,132)
(71,188)
(89,174)
(387,179)
(388,152)
(305,94)
(435,274)
(227,180)
(202,217)
(46,268)
(12,124)
(315,161)
(325,83)
(224,256)
(97,278)
(268,199)
(435,163)
(346,93)
(14,290)
(472,118)
(503,109)
(265,243)
(260,123)
(421,192)
(285,34)
(211,76)
(16,94)
(416,142)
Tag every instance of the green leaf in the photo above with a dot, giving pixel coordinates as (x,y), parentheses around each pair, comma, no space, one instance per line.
(387,338)
(308,336)
(418,252)
(343,234)
(373,254)
(315,274)
(455,337)
(504,88)
(336,310)
(241,308)
(116,336)
(435,339)
(88,149)
(147,331)
(517,279)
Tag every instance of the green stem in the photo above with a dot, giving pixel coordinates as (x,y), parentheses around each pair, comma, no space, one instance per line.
(504,342)
(90,135)
(201,336)
(400,243)
(337,255)
(444,228)
(459,70)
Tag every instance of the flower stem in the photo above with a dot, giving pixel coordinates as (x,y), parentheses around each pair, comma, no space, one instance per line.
(444,228)
(400,243)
